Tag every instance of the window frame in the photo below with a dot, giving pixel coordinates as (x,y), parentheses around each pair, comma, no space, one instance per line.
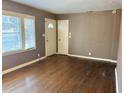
(22,17)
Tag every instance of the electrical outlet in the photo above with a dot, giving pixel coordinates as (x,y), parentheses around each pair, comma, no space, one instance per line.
(89,53)
(38,55)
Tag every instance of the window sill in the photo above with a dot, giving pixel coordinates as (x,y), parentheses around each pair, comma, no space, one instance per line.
(17,51)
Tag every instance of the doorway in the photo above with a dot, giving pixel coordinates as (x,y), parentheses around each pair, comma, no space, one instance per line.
(50,37)
(63,29)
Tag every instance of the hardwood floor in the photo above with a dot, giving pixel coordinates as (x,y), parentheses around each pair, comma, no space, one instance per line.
(62,74)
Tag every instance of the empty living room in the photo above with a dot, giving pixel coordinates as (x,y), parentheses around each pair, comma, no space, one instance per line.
(61,46)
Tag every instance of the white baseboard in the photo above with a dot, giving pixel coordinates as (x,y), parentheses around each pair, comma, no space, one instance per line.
(22,65)
(93,58)
(116,81)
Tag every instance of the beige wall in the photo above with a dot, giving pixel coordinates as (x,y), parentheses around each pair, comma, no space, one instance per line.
(95,32)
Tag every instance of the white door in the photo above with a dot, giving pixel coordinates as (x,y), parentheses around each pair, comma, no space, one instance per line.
(63,29)
(50,36)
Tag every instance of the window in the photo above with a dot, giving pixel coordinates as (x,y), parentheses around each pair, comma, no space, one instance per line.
(50,26)
(11,33)
(29,33)
(18,32)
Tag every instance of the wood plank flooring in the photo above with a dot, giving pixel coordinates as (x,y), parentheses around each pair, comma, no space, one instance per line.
(62,74)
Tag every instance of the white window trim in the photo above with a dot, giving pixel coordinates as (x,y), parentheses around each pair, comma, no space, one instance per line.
(22,16)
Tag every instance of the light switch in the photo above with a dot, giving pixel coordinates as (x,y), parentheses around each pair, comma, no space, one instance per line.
(43,35)
(69,35)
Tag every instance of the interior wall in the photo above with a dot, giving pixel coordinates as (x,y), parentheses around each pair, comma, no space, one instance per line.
(95,32)
(9,61)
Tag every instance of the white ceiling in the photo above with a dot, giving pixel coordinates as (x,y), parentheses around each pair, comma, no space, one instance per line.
(72,6)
